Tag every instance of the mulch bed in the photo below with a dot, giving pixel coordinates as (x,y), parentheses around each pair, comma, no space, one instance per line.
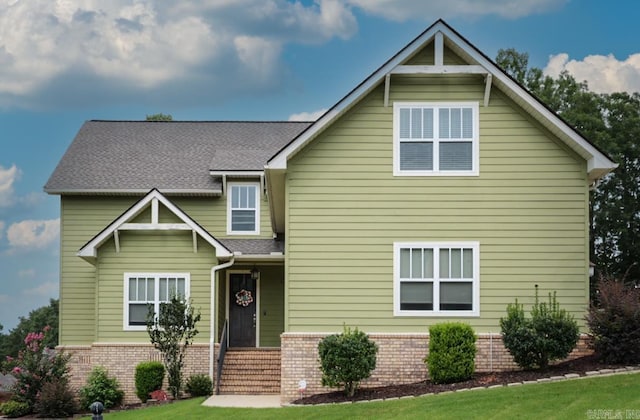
(579,366)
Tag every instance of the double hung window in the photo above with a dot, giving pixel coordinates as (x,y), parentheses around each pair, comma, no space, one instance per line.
(144,289)
(435,139)
(436,279)
(243,209)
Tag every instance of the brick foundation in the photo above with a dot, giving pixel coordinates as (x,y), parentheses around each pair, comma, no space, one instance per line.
(120,360)
(400,360)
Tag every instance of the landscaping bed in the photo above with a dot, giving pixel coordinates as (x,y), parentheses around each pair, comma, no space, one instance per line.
(578,366)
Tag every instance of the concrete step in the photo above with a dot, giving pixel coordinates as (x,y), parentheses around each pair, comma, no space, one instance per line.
(251,371)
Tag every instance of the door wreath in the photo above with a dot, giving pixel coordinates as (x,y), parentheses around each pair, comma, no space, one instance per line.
(244,298)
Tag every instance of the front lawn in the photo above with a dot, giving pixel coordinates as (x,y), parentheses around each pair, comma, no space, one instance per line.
(602,397)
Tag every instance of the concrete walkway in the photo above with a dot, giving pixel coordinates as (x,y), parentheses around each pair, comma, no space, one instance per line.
(244,401)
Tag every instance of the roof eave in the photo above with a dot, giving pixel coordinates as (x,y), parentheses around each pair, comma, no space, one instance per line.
(132,191)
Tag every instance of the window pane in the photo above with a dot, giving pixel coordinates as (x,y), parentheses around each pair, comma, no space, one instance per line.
(138,314)
(164,296)
(416,263)
(416,123)
(251,197)
(456,123)
(405,121)
(427,123)
(150,289)
(181,288)
(456,263)
(416,296)
(456,296)
(467,263)
(467,123)
(243,197)
(235,196)
(456,156)
(444,263)
(243,220)
(428,263)
(416,156)
(405,263)
(133,288)
(172,288)
(444,123)
(142,291)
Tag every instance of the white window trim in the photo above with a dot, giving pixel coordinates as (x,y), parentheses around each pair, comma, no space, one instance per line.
(475,140)
(156,294)
(475,312)
(230,231)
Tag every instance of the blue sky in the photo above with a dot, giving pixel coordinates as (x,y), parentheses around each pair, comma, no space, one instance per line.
(63,62)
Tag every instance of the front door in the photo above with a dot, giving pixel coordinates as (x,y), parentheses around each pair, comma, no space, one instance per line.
(242,310)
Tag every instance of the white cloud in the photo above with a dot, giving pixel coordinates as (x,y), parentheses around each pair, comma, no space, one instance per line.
(603,74)
(48,289)
(1,228)
(126,46)
(27,273)
(401,10)
(33,234)
(7,178)
(307,116)
(4,298)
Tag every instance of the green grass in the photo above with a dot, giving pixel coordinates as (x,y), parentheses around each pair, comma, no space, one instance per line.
(558,400)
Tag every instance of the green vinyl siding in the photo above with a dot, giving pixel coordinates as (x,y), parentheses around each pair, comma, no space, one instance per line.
(84,318)
(528,209)
(150,252)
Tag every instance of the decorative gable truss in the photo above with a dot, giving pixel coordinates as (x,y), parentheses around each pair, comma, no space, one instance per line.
(153,199)
(439,68)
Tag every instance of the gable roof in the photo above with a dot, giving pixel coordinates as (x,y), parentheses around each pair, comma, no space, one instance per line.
(90,250)
(598,163)
(132,157)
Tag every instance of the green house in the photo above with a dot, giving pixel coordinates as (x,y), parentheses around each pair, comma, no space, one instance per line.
(437,189)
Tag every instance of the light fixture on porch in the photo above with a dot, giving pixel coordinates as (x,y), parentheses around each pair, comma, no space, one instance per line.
(255,273)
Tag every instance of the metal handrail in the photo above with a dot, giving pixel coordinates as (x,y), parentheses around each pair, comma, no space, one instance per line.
(224,344)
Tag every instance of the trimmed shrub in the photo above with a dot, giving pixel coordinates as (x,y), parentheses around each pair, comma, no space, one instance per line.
(199,386)
(550,334)
(452,352)
(148,378)
(615,323)
(56,400)
(101,387)
(346,359)
(14,409)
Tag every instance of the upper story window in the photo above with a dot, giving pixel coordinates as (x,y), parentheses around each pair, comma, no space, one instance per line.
(243,209)
(435,139)
(436,279)
(142,290)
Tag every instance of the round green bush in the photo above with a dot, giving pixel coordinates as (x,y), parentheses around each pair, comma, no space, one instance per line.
(199,386)
(14,409)
(101,387)
(452,352)
(148,378)
(346,359)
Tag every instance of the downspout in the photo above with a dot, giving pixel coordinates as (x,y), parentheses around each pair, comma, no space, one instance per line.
(212,338)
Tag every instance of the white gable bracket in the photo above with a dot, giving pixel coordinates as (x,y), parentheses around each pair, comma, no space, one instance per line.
(487,88)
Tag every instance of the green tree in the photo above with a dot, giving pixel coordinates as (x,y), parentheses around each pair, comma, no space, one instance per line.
(159,117)
(171,332)
(612,123)
(45,316)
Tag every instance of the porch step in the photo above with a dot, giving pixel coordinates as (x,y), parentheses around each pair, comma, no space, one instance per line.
(251,371)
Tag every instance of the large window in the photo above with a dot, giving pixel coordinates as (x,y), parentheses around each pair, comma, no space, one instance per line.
(440,279)
(243,209)
(435,139)
(143,289)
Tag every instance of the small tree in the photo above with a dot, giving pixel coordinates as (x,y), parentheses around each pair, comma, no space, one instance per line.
(346,359)
(171,332)
(159,117)
(550,334)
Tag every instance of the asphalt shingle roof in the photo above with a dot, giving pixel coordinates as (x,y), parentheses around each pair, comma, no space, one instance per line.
(176,156)
(254,246)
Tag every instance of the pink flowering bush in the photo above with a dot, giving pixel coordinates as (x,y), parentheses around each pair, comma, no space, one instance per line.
(35,366)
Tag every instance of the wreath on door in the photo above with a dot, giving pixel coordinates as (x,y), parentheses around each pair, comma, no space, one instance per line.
(244,298)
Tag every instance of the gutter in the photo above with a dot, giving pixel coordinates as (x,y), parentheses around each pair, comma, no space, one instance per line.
(214,272)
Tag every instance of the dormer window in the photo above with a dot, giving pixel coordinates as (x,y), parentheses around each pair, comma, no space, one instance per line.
(243,209)
(435,139)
